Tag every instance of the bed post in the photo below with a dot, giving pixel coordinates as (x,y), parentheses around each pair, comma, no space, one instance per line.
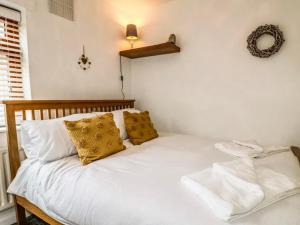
(20,214)
(14,157)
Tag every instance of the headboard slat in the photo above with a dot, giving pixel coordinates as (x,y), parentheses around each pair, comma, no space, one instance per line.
(73,106)
(24,114)
(56,113)
(42,114)
(33,114)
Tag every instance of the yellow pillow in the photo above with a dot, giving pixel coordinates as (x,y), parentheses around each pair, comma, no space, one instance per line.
(139,127)
(95,138)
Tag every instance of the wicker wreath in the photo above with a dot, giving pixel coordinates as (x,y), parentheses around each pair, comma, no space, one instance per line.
(261,30)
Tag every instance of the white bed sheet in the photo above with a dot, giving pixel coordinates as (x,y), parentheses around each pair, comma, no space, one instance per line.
(138,186)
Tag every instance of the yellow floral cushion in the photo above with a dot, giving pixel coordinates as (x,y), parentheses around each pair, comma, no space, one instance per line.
(139,127)
(95,138)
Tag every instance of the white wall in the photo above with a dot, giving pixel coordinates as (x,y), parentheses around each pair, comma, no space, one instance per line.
(214,87)
(55,44)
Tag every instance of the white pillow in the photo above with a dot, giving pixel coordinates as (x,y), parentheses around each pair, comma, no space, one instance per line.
(48,140)
(119,120)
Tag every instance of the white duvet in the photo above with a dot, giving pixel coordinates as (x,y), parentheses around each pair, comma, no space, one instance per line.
(138,186)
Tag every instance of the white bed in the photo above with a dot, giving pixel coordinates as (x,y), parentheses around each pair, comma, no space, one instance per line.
(138,186)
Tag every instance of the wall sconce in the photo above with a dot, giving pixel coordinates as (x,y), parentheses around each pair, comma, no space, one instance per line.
(131,34)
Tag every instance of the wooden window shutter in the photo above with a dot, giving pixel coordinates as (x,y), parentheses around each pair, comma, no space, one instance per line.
(11,79)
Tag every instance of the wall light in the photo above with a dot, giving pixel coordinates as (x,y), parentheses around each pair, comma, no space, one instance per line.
(131,34)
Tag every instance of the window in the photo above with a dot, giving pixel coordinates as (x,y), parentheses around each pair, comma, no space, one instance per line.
(11,75)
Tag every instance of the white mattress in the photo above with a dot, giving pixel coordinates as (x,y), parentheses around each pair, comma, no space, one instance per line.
(138,186)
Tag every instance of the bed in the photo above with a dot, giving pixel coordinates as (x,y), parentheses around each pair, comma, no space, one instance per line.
(45,109)
(138,186)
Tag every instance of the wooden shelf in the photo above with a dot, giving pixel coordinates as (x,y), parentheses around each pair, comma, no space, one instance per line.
(160,49)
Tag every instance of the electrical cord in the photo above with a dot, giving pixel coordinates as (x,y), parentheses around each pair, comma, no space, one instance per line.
(122,78)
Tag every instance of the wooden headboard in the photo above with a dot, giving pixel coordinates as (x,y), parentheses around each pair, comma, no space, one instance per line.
(49,109)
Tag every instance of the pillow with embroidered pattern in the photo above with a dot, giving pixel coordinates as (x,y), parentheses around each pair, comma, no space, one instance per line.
(95,138)
(139,127)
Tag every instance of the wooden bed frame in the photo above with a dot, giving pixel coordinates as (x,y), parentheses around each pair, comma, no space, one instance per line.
(46,109)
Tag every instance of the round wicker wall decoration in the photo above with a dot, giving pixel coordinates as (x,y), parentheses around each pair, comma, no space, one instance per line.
(270,29)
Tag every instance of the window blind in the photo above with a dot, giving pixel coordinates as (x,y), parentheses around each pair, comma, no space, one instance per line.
(11,79)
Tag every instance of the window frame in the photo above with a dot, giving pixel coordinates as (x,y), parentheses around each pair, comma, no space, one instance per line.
(24,50)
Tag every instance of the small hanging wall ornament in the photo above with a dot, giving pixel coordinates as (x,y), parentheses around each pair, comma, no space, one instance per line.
(84,61)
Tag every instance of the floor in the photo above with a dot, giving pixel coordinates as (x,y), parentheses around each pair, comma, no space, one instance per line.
(32,220)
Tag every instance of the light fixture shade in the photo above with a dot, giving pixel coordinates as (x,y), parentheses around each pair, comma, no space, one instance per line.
(131,32)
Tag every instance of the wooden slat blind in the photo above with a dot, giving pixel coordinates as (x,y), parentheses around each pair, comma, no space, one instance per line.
(11,79)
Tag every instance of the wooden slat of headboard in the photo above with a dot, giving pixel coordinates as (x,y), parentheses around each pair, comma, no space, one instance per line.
(11,107)
(12,140)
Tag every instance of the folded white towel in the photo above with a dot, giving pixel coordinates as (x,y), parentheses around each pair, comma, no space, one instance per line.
(248,148)
(268,150)
(249,144)
(240,187)
(240,149)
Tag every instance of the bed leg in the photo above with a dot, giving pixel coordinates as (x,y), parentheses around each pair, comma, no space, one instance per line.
(20,214)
